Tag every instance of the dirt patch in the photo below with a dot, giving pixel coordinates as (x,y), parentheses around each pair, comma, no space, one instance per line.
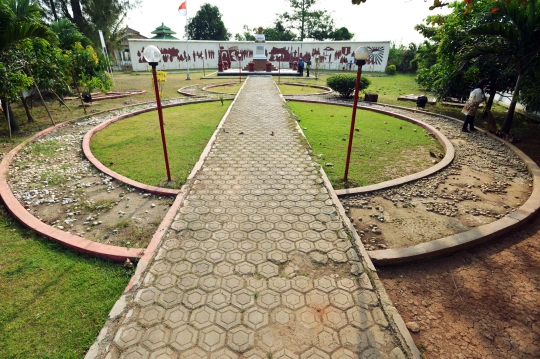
(57,185)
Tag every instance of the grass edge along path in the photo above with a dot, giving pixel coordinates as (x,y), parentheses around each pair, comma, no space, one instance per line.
(54,300)
(384,147)
(133,148)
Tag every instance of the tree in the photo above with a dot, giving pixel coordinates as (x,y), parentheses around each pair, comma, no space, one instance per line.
(512,29)
(342,34)
(247,36)
(316,24)
(278,33)
(68,34)
(207,25)
(19,23)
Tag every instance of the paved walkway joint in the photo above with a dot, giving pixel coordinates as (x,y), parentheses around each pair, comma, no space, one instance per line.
(257,263)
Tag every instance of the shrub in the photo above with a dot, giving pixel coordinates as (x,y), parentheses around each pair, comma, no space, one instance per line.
(345,84)
(391,69)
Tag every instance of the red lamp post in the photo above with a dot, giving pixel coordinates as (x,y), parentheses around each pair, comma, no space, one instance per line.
(152,55)
(361,54)
(240,67)
(279,69)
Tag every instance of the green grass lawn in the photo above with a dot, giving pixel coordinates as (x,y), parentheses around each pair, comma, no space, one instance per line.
(133,148)
(285,89)
(384,148)
(53,300)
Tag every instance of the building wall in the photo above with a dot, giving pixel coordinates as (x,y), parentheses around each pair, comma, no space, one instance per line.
(177,54)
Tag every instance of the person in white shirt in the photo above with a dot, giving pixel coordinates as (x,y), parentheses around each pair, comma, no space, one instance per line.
(476,97)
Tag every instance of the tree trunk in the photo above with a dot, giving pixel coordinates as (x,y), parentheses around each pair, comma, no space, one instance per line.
(53,9)
(492,93)
(507,124)
(77,14)
(12,120)
(27,109)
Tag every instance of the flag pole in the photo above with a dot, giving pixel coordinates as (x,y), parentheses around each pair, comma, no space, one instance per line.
(187,46)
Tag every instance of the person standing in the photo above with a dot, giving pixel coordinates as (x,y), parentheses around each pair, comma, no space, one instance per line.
(308,65)
(476,97)
(301,67)
(351,60)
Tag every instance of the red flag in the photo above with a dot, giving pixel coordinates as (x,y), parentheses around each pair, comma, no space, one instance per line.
(183,9)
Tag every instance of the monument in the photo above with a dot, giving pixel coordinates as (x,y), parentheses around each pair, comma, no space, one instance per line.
(259,55)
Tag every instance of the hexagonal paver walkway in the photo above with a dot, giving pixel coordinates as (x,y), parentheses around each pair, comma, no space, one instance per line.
(258,263)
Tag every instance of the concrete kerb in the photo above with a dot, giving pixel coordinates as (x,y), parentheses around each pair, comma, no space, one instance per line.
(206,88)
(327,92)
(389,309)
(121,305)
(461,241)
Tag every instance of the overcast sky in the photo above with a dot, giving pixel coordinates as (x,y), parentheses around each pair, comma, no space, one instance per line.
(375,20)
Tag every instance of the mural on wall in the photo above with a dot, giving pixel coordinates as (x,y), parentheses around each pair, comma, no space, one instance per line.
(332,55)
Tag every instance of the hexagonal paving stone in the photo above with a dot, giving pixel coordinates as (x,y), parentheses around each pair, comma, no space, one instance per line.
(165,281)
(343,353)
(314,353)
(378,317)
(326,284)
(277,257)
(286,354)
(268,270)
(161,267)
(203,234)
(224,269)
(365,298)
(220,235)
(232,283)
(202,268)
(240,339)
(293,235)
(265,226)
(170,297)
(209,283)
(308,317)
(273,218)
(211,338)
(245,268)
(324,246)
(334,318)
(268,299)
(317,299)
(302,284)
(275,235)
(128,335)
(292,299)
(194,353)
(247,246)
(247,226)
(305,246)
(282,316)
(151,315)
(300,226)
(256,257)
(176,316)
(224,354)
(279,284)
(268,340)
(341,299)
(188,281)
(235,256)
(218,299)
(238,236)
(228,317)
(257,235)
(164,353)
(311,236)
(255,318)
(243,299)
(347,284)
(256,284)
(194,298)
(215,256)
(328,340)
(181,268)
(255,354)
(135,353)
(360,317)
(156,337)
(365,282)
(202,317)
(267,245)
(195,255)
(353,339)
(338,256)
(147,296)
(286,246)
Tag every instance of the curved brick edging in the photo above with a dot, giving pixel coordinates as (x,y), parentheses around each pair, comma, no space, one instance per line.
(220,85)
(69,240)
(182,92)
(101,167)
(118,95)
(328,89)
(445,162)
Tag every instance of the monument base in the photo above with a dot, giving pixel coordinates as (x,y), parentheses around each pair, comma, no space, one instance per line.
(260,65)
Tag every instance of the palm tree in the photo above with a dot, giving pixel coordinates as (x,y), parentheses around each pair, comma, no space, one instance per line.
(512,30)
(19,21)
